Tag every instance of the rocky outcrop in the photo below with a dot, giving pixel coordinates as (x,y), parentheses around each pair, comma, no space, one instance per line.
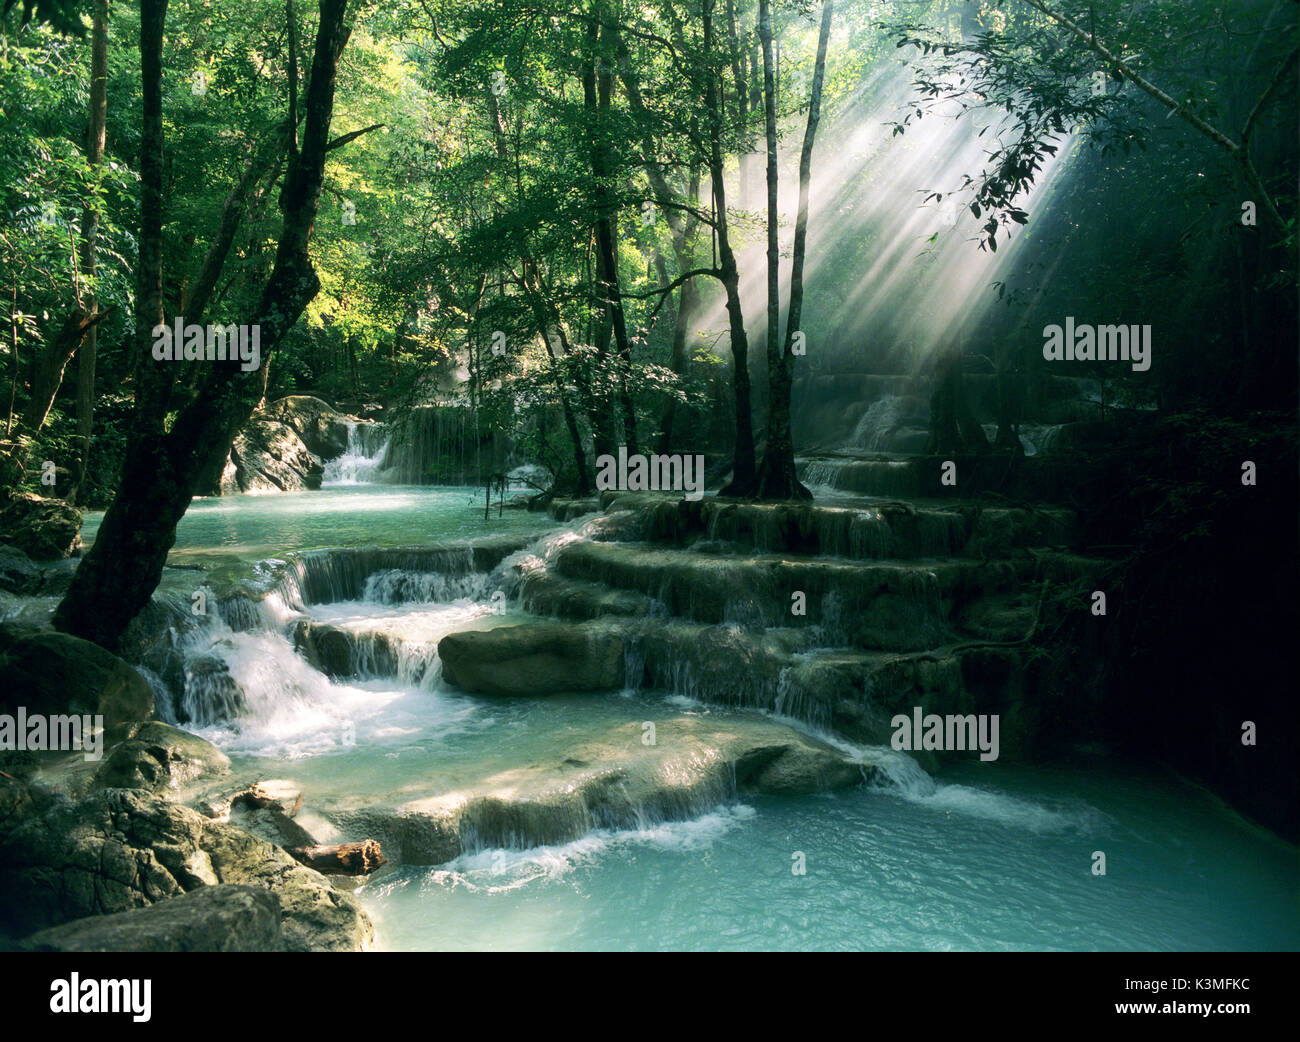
(322,429)
(211,919)
(535,659)
(56,673)
(282,448)
(157,757)
(121,849)
(269,456)
(43,529)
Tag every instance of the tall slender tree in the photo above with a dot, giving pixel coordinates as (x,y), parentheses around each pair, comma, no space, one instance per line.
(778,479)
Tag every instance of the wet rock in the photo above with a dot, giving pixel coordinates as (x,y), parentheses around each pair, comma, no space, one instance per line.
(323,430)
(43,529)
(270,457)
(614,781)
(160,758)
(55,673)
(211,919)
(211,693)
(18,574)
(121,849)
(535,659)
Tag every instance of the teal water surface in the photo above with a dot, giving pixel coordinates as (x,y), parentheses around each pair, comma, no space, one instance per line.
(987,856)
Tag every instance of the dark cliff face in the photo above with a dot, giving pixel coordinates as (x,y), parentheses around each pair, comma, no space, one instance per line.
(1204,613)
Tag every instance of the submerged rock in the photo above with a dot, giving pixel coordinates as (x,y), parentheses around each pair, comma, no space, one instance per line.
(615,781)
(211,919)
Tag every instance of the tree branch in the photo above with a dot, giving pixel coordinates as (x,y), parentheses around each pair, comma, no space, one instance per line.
(339,142)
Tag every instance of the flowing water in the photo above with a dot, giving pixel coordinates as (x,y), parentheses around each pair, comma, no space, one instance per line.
(992,856)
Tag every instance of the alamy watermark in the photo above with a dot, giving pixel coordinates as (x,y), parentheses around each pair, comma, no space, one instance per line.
(638,473)
(39,732)
(211,343)
(72,994)
(951,733)
(1085,343)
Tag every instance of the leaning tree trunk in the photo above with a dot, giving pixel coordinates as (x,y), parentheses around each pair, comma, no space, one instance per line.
(778,478)
(118,576)
(53,360)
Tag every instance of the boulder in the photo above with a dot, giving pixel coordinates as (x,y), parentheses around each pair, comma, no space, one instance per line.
(43,529)
(269,456)
(210,919)
(322,429)
(158,757)
(210,692)
(535,659)
(55,673)
(121,849)
(18,574)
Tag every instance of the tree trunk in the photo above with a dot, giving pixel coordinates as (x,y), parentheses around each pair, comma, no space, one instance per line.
(953,427)
(95,140)
(682,229)
(778,479)
(742,474)
(595,88)
(121,571)
(53,360)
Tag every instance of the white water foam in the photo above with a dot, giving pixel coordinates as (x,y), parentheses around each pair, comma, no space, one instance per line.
(361,460)
(499,870)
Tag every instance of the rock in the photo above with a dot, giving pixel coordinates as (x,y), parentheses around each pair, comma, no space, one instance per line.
(158,757)
(210,919)
(15,802)
(333,651)
(43,529)
(55,673)
(211,693)
(322,429)
(795,768)
(17,572)
(610,781)
(535,659)
(121,849)
(270,457)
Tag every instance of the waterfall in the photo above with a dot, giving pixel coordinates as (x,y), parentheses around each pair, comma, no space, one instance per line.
(882,417)
(436,445)
(362,459)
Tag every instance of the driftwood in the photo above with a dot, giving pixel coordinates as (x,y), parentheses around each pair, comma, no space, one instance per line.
(348,859)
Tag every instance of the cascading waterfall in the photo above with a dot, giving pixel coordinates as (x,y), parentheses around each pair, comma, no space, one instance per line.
(434,445)
(363,458)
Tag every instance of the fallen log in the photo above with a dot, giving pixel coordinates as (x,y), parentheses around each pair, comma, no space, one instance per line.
(348,859)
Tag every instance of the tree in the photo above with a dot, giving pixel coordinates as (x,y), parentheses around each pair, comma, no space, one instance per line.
(122,569)
(743,473)
(777,478)
(86,356)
